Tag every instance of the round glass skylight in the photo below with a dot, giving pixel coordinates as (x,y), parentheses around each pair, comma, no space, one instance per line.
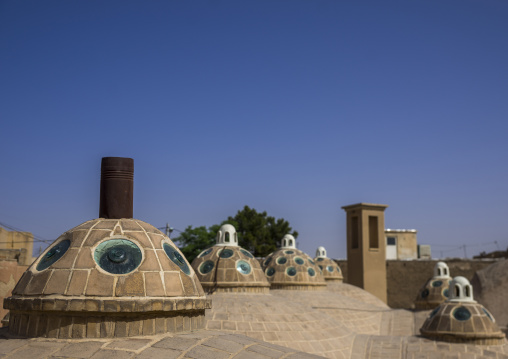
(55,253)
(461,313)
(437,283)
(205,252)
(289,252)
(270,271)
(299,260)
(243,267)
(434,312)
(226,253)
(488,314)
(206,267)
(177,258)
(329,269)
(311,272)
(118,256)
(246,253)
(425,293)
(291,271)
(267,261)
(281,260)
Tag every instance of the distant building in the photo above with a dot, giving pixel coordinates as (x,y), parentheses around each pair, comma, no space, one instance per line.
(402,244)
(16,246)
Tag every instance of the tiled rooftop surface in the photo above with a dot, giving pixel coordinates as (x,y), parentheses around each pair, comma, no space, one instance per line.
(197,345)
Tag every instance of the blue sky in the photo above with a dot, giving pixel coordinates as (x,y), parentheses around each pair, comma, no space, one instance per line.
(291,107)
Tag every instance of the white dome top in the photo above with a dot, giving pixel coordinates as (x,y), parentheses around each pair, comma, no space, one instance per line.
(288,241)
(321,252)
(441,270)
(460,290)
(226,236)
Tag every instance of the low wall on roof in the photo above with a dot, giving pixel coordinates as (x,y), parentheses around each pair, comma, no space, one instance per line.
(406,277)
(10,273)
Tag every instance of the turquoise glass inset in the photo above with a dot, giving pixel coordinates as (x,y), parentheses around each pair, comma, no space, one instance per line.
(226,253)
(118,256)
(176,258)
(425,293)
(246,253)
(291,271)
(461,313)
(329,269)
(338,269)
(311,272)
(267,261)
(487,313)
(206,267)
(320,259)
(289,252)
(270,271)
(55,253)
(434,312)
(437,283)
(243,267)
(299,260)
(281,260)
(446,293)
(311,261)
(205,252)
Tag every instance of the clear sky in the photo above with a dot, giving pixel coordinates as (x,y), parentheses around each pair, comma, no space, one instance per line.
(291,107)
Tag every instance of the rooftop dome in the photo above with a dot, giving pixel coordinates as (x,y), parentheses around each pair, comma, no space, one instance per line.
(331,270)
(108,277)
(461,319)
(290,268)
(435,290)
(226,267)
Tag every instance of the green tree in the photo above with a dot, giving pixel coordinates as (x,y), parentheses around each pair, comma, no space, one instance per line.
(193,241)
(259,233)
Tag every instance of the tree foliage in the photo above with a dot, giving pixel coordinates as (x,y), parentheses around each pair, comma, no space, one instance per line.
(257,232)
(193,241)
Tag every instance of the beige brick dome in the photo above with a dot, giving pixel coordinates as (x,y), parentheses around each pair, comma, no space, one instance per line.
(100,268)
(461,319)
(436,290)
(290,268)
(331,270)
(226,267)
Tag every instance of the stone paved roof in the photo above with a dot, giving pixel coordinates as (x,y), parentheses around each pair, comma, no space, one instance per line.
(196,345)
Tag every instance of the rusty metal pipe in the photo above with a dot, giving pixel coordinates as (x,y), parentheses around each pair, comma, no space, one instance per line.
(117,187)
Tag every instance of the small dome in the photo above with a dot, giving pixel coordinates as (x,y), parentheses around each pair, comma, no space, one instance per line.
(288,241)
(104,266)
(228,267)
(226,236)
(461,319)
(436,290)
(290,268)
(330,269)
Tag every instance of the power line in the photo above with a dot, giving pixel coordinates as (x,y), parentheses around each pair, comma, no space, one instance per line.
(36,239)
